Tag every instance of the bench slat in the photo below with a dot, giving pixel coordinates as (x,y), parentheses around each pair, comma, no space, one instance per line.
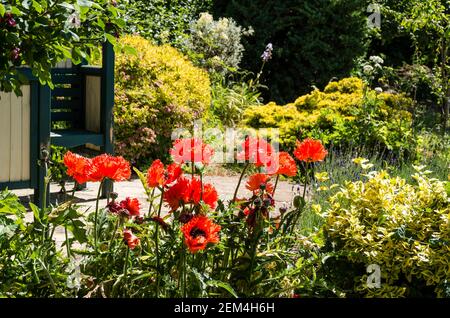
(66,92)
(66,79)
(65,116)
(66,104)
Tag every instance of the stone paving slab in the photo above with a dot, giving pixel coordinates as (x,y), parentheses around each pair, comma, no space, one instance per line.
(86,198)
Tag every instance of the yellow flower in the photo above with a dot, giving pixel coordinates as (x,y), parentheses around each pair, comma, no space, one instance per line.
(363,162)
(322,176)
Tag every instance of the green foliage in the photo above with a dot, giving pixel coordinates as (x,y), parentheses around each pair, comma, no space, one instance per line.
(313,41)
(346,112)
(30,264)
(216,45)
(402,227)
(157,90)
(40,33)
(163,21)
(229,102)
(415,39)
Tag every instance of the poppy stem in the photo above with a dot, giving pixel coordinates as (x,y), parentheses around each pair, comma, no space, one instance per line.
(275,186)
(96,214)
(152,197)
(240,180)
(306,179)
(67,242)
(114,235)
(157,243)
(201,186)
(299,213)
(125,267)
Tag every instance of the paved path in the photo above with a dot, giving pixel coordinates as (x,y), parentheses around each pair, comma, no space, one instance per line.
(225,186)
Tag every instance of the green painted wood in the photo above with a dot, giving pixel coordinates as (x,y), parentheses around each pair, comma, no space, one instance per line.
(66,92)
(107,97)
(43,104)
(15,185)
(70,116)
(66,104)
(75,138)
(91,70)
(66,79)
(44,141)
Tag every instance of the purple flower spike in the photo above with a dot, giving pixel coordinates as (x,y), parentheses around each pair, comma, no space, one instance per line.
(267,54)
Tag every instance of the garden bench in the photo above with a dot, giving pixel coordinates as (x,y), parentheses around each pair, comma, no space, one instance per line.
(77,112)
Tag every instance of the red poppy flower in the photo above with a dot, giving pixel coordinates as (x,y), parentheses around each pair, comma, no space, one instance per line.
(247,211)
(107,166)
(191,150)
(132,206)
(130,239)
(114,207)
(283,164)
(189,191)
(200,231)
(257,151)
(177,193)
(257,181)
(209,195)
(78,167)
(310,150)
(157,176)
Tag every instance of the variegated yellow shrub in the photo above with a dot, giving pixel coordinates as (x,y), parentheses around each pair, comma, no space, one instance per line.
(403,228)
(338,114)
(157,90)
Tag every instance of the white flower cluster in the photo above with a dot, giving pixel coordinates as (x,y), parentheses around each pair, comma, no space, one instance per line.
(218,42)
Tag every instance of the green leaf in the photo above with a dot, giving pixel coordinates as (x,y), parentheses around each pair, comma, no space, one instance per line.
(67,6)
(143,180)
(111,39)
(37,7)
(130,50)
(226,286)
(36,212)
(9,204)
(78,231)
(15,11)
(85,3)
(2,10)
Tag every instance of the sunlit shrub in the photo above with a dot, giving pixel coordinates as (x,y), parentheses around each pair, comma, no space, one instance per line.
(402,227)
(344,113)
(157,90)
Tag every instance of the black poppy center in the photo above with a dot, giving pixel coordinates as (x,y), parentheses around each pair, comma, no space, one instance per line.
(196,232)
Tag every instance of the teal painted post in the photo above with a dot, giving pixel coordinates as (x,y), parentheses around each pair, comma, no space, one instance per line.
(34,138)
(107,97)
(44,143)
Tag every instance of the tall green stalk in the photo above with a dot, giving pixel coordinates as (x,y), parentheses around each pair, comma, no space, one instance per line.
(240,180)
(96,214)
(158,277)
(125,269)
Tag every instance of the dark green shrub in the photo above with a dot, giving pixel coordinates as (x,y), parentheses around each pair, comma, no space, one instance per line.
(313,41)
(163,21)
